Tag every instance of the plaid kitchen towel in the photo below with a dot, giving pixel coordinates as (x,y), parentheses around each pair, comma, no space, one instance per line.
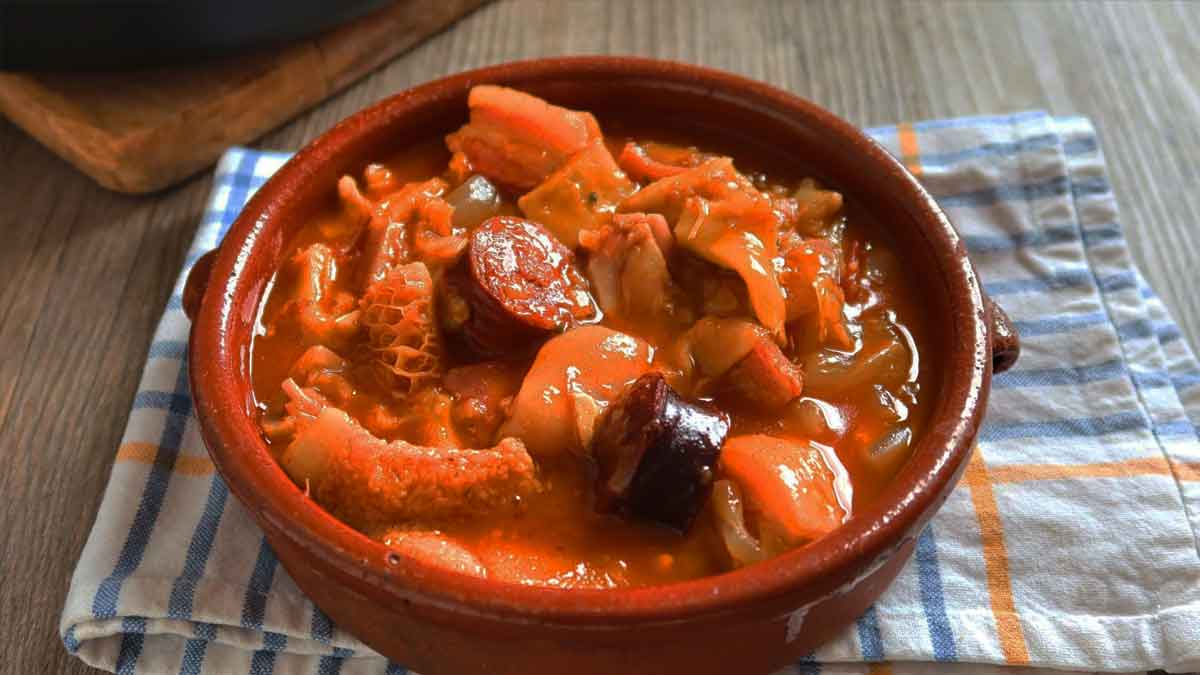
(1070,543)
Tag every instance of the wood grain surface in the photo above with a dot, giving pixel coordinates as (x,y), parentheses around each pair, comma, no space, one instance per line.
(123,128)
(84,272)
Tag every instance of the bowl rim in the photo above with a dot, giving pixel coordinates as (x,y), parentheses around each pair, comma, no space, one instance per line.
(801,576)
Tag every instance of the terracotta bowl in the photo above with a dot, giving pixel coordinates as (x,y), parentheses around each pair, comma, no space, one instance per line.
(752,620)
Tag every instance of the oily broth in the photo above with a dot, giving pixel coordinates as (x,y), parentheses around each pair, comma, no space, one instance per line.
(557,538)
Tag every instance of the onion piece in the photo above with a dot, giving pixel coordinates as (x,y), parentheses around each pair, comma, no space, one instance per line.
(731,523)
(474,201)
(830,371)
(890,441)
(817,419)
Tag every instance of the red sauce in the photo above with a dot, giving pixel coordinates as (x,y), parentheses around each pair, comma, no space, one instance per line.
(854,339)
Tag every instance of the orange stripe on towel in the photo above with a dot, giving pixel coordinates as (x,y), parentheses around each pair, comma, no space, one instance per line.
(147,453)
(910,153)
(1187,470)
(1013,473)
(995,561)
(1142,466)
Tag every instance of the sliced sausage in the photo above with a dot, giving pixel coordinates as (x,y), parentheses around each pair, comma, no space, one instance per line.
(517,286)
(657,453)
(765,377)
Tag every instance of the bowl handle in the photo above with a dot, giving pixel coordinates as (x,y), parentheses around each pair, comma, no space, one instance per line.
(1006,344)
(197,283)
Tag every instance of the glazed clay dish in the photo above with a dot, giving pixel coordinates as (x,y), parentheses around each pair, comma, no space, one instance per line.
(592,365)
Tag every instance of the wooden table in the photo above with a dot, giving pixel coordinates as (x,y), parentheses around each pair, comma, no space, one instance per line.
(84,273)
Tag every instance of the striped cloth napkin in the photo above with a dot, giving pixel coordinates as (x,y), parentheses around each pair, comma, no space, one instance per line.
(1070,543)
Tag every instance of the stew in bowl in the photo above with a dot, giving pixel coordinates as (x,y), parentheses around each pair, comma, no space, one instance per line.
(555,351)
(607,365)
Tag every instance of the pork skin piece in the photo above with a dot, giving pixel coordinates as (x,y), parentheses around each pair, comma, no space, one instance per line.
(368,481)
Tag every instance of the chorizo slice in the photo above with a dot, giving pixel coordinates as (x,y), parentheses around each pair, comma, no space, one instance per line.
(765,377)
(657,454)
(517,286)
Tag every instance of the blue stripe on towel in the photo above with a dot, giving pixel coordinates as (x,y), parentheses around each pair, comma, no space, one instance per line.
(1139,329)
(167,349)
(1013,192)
(177,402)
(1075,147)
(1185,380)
(241,183)
(1070,277)
(933,601)
(1104,233)
(1090,187)
(1150,379)
(870,640)
(321,626)
(263,662)
(184,590)
(1056,280)
(1175,428)
(1052,377)
(196,648)
(330,665)
(192,662)
(990,243)
(259,586)
(808,665)
(104,605)
(1167,332)
(133,630)
(1065,428)
(1059,324)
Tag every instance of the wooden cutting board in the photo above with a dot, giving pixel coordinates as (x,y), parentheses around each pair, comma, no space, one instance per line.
(143,130)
